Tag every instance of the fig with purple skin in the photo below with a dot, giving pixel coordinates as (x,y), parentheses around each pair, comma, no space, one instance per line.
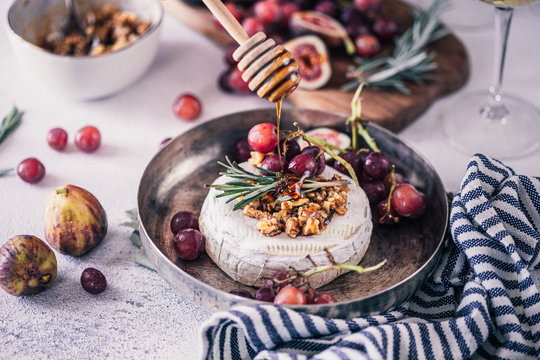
(27,266)
(74,220)
(313,61)
(329,29)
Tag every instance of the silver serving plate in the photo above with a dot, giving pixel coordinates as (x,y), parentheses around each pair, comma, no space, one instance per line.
(174,179)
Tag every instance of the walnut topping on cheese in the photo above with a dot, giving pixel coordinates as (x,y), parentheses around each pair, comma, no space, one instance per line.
(304,216)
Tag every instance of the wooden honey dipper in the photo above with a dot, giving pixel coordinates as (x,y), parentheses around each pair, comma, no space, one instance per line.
(268,69)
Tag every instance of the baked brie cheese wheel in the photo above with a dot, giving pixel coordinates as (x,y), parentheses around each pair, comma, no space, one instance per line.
(250,257)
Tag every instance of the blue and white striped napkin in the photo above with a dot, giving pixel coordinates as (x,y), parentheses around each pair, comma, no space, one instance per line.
(480,302)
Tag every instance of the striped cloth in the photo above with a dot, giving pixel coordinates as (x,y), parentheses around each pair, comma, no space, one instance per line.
(479,303)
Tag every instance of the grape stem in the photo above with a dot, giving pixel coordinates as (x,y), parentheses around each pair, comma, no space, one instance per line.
(389,200)
(359,269)
(356,124)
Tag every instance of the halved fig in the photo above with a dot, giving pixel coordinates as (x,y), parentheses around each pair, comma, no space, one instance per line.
(329,29)
(312,57)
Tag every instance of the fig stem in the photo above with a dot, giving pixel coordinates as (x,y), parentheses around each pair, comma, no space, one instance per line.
(5,172)
(62,191)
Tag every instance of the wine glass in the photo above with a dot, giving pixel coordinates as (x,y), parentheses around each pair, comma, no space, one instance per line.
(495,124)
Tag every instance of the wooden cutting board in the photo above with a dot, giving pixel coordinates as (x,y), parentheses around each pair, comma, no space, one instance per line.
(392,110)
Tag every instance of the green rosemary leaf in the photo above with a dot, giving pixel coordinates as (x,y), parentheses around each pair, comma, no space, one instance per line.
(410,61)
(10,123)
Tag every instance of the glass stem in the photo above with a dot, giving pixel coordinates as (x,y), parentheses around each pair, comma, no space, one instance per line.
(495,109)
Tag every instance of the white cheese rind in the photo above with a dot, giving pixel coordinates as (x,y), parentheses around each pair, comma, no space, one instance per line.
(247,256)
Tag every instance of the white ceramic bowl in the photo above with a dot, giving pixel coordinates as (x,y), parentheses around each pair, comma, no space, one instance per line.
(87,77)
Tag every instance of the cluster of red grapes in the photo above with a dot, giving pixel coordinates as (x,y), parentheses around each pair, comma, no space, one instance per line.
(188,241)
(263,138)
(286,289)
(373,171)
(364,26)
(376,178)
(87,139)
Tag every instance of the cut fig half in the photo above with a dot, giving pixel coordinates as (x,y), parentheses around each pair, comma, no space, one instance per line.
(329,29)
(313,60)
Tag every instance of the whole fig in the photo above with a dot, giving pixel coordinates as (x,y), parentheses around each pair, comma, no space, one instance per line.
(27,265)
(74,220)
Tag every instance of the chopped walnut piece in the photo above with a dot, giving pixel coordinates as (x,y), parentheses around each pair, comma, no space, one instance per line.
(256,158)
(113,28)
(311,227)
(304,216)
(292,227)
(269,226)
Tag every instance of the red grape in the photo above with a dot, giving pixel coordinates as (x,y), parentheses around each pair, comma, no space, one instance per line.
(31,170)
(266,293)
(318,155)
(184,220)
(242,293)
(229,50)
(374,190)
(252,25)
(328,7)
(224,81)
(385,28)
(88,139)
(57,138)
(303,164)
(274,163)
(400,179)
(290,149)
(242,150)
(93,281)
(376,165)
(324,298)
(367,5)
(353,159)
(408,201)
(236,83)
(384,216)
(367,45)
(291,296)
(235,10)
(263,137)
(189,244)
(187,107)
(268,11)
(287,9)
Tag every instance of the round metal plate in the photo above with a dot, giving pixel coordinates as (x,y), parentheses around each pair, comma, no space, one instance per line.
(174,180)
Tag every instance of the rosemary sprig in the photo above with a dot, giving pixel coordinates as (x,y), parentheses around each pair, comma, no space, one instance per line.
(10,123)
(409,61)
(247,187)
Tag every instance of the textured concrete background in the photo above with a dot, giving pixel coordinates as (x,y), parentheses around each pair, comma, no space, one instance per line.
(140,316)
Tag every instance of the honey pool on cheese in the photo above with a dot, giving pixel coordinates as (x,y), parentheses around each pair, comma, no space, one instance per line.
(248,256)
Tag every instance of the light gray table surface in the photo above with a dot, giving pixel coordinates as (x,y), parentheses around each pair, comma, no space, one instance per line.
(140,316)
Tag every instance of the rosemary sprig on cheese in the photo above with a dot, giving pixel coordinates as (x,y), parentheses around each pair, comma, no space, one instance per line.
(410,60)
(247,187)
